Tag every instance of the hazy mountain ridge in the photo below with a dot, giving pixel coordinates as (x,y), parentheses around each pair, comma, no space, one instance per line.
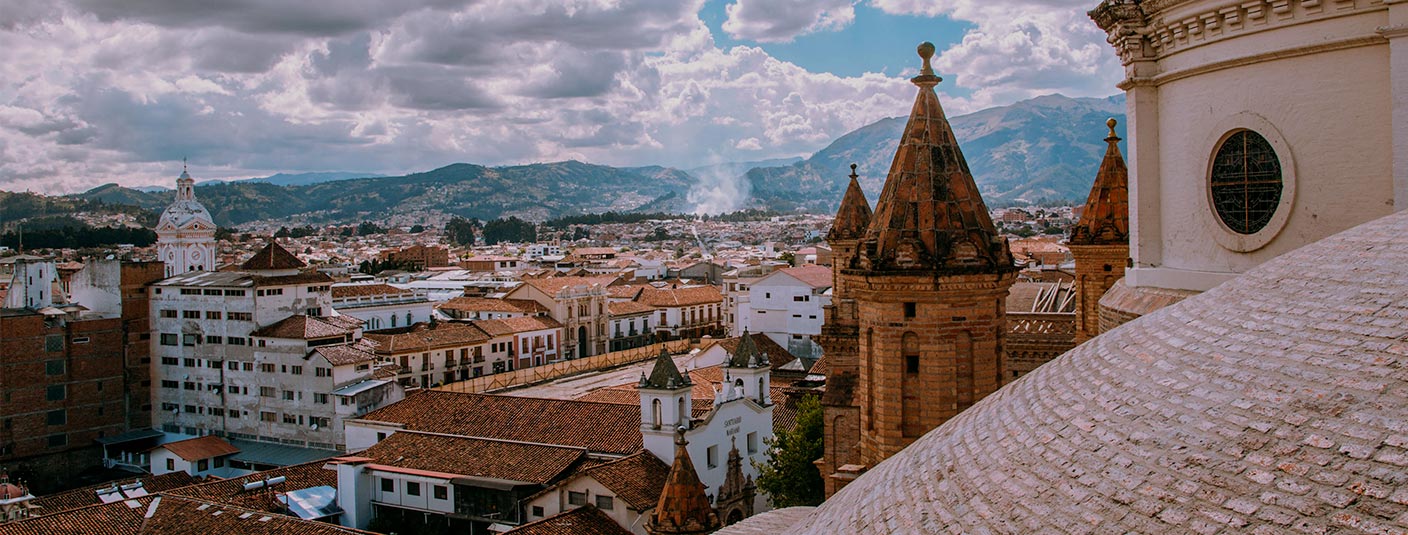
(1041,149)
(1046,148)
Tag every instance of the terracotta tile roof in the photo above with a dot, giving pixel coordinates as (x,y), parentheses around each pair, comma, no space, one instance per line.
(1105,220)
(117,518)
(626,291)
(626,308)
(507,326)
(273,256)
(585,520)
(599,427)
(552,286)
(83,497)
(853,217)
(483,304)
(421,337)
(340,355)
(674,297)
(285,280)
(302,327)
(581,251)
(637,478)
(366,290)
(194,449)
(474,457)
(174,515)
(231,491)
(811,274)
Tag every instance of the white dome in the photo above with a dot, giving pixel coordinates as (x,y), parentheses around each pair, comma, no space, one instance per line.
(186,213)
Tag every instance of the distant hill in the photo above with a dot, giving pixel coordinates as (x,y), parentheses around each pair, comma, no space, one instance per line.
(537,192)
(304,179)
(1047,148)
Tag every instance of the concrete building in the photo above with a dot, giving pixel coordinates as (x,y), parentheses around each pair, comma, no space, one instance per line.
(420,256)
(684,311)
(630,324)
(787,306)
(381,306)
(256,355)
(199,457)
(579,304)
(73,368)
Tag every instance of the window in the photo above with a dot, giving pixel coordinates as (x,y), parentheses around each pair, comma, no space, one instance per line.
(56,417)
(190,314)
(189,363)
(288,395)
(167,313)
(188,385)
(190,291)
(538,511)
(605,503)
(212,339)
(266,368)
(441,492)
(711,455)
(58,441)
(214,364)
(189,339)
(234,293)
(202,465)
(911,364)
(170,464)
(388,484)
(170,361)
(290,419)
(412,488)
(54,367)
(266,416)
(576,498)
(212,314)
(752,442)
(322,372)
(1246,182)
(239,316)
(911,310)
(170,384)
(249,366)
(321,422)
(266,391)
(232,366)
(210,292)
(168,339)
(295,370)
(380,436)
(56,392)
(320,398)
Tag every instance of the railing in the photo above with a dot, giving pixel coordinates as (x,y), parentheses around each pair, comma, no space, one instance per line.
(563,368)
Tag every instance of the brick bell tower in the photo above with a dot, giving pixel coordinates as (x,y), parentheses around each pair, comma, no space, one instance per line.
(1100,241)
(930,282)
(839,338)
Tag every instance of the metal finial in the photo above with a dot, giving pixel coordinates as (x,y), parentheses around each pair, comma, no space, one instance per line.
(1111,123)
(926,51)
(853,171)
(183,164)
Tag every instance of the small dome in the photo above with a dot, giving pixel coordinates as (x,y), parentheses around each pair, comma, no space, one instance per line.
(1272,403)
(184,214)
(9,491)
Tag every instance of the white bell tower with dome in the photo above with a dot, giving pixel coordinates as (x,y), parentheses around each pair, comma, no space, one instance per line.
(186,233)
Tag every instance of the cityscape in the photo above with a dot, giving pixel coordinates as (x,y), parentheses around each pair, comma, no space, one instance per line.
(879,293)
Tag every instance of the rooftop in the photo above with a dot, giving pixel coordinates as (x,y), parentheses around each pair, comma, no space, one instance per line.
(195,449)
(473,457)
(585,520)
(303,327)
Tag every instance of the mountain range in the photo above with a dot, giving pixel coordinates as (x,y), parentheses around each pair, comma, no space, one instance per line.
(1044,149)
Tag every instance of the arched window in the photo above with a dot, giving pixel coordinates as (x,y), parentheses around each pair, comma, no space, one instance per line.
(680,415)
(869,379)
(408,318)
(762,392)
(393,320)
(655,412)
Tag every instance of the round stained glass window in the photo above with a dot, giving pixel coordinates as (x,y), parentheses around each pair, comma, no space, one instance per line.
(1246,182)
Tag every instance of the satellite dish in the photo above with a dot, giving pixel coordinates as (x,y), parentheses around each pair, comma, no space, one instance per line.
(175,411)
(315,427)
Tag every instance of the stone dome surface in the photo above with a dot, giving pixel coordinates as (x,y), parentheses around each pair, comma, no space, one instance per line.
(183,213)
(1274,403)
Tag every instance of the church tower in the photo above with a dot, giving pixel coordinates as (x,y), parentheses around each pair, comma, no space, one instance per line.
(683,508)
(930,281)
(666,405)
(185,234)
(839,338)
(1100,241)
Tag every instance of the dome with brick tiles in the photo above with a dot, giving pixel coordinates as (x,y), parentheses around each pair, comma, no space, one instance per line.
(1274,403)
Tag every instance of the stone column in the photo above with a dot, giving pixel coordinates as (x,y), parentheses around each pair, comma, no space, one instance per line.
(1145,203)
(1397,33)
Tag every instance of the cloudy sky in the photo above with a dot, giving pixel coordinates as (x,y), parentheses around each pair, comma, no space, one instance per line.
(96,91)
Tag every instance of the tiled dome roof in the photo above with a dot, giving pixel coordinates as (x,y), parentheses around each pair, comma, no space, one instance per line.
(186,212)
(1273,403)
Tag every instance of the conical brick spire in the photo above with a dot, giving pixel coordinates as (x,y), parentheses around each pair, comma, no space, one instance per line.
(1105,220)
(683,507)
(664,375)
(930,216)
(854,215)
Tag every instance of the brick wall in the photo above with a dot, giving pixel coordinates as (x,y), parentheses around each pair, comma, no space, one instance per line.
(1097,269)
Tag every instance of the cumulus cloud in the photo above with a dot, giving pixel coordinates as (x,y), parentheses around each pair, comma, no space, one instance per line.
(783,20)
(1020,48)
(95,91)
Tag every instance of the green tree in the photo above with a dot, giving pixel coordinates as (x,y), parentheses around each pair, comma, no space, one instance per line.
(417,229)
(460,231)
(788,477)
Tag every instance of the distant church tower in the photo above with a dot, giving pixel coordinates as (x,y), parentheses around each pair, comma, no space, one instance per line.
(840,338)
(185,234)
(1100,241)
(929,281)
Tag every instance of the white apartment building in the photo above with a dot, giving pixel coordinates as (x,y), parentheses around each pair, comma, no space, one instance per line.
(738,308)
(787,304)
(256,355)
(579,304)
(381,306)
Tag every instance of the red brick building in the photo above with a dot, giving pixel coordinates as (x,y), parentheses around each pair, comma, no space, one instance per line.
(423,256)
(1100,241)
